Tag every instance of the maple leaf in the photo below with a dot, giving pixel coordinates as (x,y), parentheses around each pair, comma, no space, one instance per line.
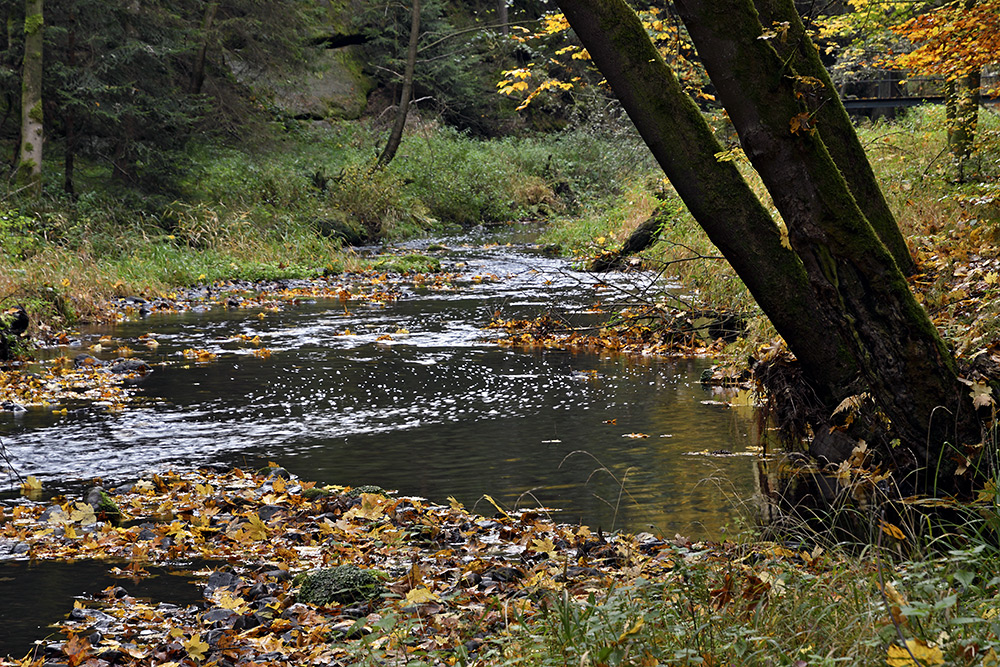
(227,600)
(545,546)
(254,529)
(83,514)
(196,648)
(31,485)
(76,649)
(372,507)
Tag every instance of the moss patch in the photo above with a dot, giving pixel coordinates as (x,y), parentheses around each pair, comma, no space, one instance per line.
(344,584)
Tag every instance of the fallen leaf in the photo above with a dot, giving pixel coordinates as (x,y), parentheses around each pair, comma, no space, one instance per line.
(196,648)
(421,595)
(925,654)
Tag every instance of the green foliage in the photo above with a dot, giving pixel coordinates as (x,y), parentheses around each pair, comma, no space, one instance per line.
(344,584)
(17,237)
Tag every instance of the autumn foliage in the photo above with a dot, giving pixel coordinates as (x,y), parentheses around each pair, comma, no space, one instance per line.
(952,41)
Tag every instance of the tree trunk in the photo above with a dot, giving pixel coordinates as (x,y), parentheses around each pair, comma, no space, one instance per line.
(714,191)
(396,136)
(963,119)
(70,115)
(910,372)
(198,72)
(834,125)
(30,161)
(502,17)
(642,237)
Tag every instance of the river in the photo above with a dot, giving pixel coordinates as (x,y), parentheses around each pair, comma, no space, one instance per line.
(439,411)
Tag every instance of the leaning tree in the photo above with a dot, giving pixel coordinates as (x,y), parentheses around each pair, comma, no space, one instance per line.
(836,292)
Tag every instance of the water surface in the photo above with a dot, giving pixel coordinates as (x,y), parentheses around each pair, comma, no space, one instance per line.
(439,411)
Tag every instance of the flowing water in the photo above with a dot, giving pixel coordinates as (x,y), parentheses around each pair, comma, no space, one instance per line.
(440,411)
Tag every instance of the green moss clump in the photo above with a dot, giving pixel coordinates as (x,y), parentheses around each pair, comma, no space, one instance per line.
(344,584)
(107,509)
(366,488)
(314,492)
(33,23)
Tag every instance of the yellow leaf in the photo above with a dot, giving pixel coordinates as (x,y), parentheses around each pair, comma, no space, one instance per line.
(421,595)
(83,514)
(254,528)
(925,654)
(631,630)
(455,505)
(489,499)
(371,507)
(32,484)
(278,485)
(891,530)
(229,601)
(544,546)
(196,648)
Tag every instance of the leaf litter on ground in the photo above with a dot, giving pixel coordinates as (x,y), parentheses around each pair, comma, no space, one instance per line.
(453,581)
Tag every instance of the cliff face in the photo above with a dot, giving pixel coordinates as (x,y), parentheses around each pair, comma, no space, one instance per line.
(334,88)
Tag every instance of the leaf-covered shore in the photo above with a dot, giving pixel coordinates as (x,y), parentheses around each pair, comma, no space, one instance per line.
(459,588)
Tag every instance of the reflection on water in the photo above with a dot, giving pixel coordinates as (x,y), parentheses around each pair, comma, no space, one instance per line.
(437,412)
(37,594)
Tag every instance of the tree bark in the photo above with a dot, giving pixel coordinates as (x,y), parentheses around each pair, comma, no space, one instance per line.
(198,72)
(963,119)
(910,372)
(643,236)
(502,17)
(69,162)
(30,160)
(715,192)
(396,136)
(834,125)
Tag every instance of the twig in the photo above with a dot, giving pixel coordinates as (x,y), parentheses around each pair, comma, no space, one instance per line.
(6,460)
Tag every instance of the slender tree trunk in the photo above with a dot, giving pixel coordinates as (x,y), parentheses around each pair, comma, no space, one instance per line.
(30,162)
(963,119)
(834,125)
(198,72)
(396,136)
(910,372)
(715,192)
(70,115)
(502,17)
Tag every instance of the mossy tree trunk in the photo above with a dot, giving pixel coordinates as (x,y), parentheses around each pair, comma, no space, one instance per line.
(780,19)
(714,191)
(962,106)
(30,160)
(912,375)
(198,71)
(839,282)
(396,136)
